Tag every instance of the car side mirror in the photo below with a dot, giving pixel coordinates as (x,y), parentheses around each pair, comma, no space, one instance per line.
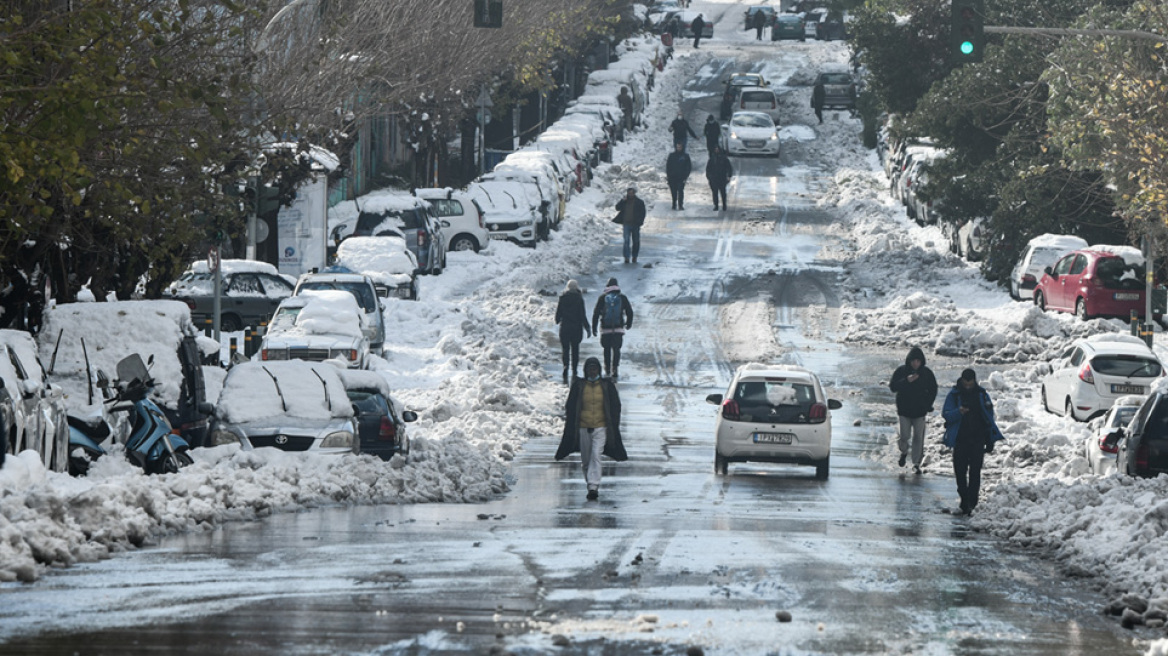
(714,399)
(833,404)
(356,410)
(409,416)
(1050,272)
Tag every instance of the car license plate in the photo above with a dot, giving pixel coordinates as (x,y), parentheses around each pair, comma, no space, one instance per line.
(774,438)
(754,144)
(500,237)
(1127,296)
(1127,389)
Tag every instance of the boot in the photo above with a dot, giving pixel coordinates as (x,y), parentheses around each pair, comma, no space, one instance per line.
(565,375)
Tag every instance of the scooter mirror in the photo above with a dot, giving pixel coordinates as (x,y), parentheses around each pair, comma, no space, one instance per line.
(103,380)
(409,415)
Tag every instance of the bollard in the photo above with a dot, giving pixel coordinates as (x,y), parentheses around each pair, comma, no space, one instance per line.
(1146,333)
(232,349)
(1135,324)
(209,328)
(248,342)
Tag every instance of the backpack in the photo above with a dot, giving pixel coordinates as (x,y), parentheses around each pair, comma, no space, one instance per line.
(612,311)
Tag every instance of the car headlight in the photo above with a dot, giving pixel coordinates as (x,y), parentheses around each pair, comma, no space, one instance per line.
(338,440)
(774,136)
(526,223)
(220,437)
(733,135)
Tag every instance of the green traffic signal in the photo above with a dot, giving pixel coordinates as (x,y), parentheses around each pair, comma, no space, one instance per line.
(967,30)
(967,47)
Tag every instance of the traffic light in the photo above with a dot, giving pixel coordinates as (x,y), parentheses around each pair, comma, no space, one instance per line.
(488,13)
(968,30)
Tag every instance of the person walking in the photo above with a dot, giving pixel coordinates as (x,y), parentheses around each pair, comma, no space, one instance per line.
(698,25)
(572,318)
(592,425)
(677,169)
(758,21)
(681,131)
(818,94)
(630,213)
(626,104)
(915,387)
(611,317)
(712,132)
(970,430)
(718,174)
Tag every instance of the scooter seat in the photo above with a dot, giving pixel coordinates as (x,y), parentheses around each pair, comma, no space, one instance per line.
(95,427)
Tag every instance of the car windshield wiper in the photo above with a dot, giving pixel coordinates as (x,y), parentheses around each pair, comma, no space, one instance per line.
(327,398)
(283,403)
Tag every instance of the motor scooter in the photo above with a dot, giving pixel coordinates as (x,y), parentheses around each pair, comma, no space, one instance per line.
(152,445)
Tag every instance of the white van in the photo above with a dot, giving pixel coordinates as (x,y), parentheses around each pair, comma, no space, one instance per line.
(1040,252)
(461,218)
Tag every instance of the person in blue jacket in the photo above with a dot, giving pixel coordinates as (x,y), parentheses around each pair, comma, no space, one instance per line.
(970,431)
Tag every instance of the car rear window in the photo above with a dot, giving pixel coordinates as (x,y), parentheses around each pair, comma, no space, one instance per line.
(1115,273)
(363,293)
(1128,366)
(445,207)
(837,78)
(786,402)
(757,97)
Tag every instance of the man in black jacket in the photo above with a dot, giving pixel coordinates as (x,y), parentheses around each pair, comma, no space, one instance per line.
(718,174)
(712,132)
(681,130)
(592,424)
(698,25)
(630,213)
(916,391)
(572,317)
(677,170)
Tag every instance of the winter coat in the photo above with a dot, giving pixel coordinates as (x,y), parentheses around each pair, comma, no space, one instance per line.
(680,128)
(718,170)
(818,94)
(598,313)
(713,132)
(572,316)
(951,411)
(570,441)
(758,21)
(638,212)
(678,167)
(697,26)
(914,399)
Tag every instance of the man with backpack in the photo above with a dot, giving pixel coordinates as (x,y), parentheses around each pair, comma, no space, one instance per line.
(611,317)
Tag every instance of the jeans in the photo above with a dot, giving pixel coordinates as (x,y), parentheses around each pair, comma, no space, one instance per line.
(632,245)
(913,430)
(612,346)
(591,448)
(967,462)
(717,191)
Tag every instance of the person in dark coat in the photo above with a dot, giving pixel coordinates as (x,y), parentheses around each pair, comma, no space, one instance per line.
(626,104)
(681,131)
(698,25)
(713,133)
(758,21)
(572,317)
(915,387)
(970,430)
(592,424)
(677,170)
(818,95)
(612,329)
(14,299)
(718,174)
(630,213)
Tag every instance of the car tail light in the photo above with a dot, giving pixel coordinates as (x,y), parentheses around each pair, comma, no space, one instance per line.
(1028,278)
(191,303)
(1107,447)
(1086,375)
(352,355)
(1142,457)
(264,354)
(730,410)
(387,432)
(482,221)
(818,413)
(422,238)
(1093,281)
(773,104)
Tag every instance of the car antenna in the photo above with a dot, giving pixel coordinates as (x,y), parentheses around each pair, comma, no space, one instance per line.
(327,398)
(283,403)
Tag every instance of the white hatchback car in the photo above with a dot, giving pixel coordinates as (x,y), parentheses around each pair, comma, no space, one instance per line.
(463,225)
(773,414)
(1095,372)
(759,99)
(751,133)
(1102,444)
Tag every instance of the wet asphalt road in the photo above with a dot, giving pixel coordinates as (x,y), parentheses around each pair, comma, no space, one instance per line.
(671,557)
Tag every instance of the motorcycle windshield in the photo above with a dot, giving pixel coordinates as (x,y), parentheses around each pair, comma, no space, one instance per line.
(132,368)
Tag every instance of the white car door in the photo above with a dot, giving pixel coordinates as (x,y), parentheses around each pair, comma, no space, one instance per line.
(1061,380)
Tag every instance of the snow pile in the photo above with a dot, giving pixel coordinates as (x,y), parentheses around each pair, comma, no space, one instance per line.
(321,312)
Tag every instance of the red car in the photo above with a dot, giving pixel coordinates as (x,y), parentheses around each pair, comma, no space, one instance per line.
(1100,281)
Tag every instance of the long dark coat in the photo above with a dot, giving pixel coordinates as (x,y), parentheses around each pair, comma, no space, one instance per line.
(719,170)
(572,316)
(570,441)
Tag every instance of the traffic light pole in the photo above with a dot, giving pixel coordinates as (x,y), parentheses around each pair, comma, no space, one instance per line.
(1059,31)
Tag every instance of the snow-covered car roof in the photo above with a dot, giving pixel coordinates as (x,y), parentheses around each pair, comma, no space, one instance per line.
(761,370)
(1117,343)
(597,99)
(389,200)
(622,76)
(1130,254)
(112,331)
(363,379)
(383,259)
(260,390)
(1050,240)
(318,312)
(504,197)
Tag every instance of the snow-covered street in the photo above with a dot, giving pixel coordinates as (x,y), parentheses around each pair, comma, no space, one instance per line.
(481,541)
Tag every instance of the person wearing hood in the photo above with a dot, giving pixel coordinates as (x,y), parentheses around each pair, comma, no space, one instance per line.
(718,174)
(712,132)
(592,424)
(572,317)
(970,430)
(611,317)
(915,387)
(681,131)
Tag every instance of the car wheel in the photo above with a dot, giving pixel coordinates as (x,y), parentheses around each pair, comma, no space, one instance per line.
(230,323)
(1081,309)
(721,467)
(1040,300)
(823,469)
(1045,405)
(1069,409)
